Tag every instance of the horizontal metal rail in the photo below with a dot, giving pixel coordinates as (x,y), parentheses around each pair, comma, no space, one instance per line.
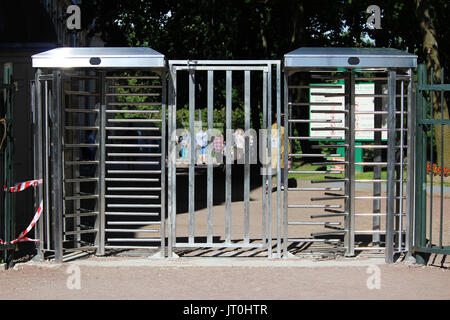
(147,120)
(133,171)
(133,179)
(314,206)
(128,196)
(133,128)
(130,213)
(131,230)
(134,240)
(133,189)
(132,223)
(131,205)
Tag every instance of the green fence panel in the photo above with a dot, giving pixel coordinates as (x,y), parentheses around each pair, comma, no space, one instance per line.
(429,240)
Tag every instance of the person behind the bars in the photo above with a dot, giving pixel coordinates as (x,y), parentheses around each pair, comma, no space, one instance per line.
(239,141)
(201,139)
(275,149)
(218,148)
(184,142)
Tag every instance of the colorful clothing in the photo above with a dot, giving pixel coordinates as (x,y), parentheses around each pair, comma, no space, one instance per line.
(218,144)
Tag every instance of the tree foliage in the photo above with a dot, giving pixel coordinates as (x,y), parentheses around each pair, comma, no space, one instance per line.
(264,29)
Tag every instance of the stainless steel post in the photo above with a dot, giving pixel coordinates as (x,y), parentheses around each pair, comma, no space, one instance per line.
(100,223)
(57,166)
(279,143)
(390,204)
(210,181)
(192,155)
(38,162)
(349,239)
(163,163)
(262,151)
(229,158)
(410,186)
(247,157)
(170,165)
(269,166)
(286,149)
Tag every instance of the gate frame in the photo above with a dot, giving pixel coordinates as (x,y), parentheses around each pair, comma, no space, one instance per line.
(228,66)
(307,59)
(54,62)
(414,238)
(420,247)
(7,203)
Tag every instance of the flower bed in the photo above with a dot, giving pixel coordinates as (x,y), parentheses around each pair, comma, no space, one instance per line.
(437,170)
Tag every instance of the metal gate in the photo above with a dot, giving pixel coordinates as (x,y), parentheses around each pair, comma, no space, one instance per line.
(102,124)
(195,230)
(431,235)
(7,207)
(343,101)
(101,132)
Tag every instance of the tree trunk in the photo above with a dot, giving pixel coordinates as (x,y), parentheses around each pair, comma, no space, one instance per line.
(431,53)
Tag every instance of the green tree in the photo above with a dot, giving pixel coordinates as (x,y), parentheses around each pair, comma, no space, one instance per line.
(264,29)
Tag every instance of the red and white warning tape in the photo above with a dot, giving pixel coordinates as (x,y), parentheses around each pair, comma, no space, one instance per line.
(17,188)
(22,186)
(21,237)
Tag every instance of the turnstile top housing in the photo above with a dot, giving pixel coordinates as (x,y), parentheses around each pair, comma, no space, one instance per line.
(341,57)
(99,57)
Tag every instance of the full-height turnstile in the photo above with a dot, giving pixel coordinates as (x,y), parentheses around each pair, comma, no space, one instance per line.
(101,146)
(101,150)
(344,101)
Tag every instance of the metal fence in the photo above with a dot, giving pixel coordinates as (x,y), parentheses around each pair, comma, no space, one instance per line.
(432,234)
(7,215)
(106,132)
(341,111)
(116,169)
(222,76)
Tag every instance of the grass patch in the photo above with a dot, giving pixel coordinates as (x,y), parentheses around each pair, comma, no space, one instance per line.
(299,166)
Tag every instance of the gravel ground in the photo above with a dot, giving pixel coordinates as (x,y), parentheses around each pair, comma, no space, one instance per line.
(228,275)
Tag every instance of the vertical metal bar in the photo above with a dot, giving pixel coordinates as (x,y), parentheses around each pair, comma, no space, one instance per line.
(423,193)
(57,167)
(170,221)
(47,110)
(77,137)
(263,146)
(431,160)
(411,143)
(441,220)
(246,156)
(100,223)
(269,173)
(420,166)
(9,205)
(173,158)
(192,155)
(209,224)
(163,162)
(229,160)
(286,151)
(76,155)
(390,203)
(349,238)
(280,144)
(38,161)
(402,154)
(64,189)
(377,169)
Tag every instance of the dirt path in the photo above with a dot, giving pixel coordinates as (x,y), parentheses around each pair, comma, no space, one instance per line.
(142,278)
(230,274)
